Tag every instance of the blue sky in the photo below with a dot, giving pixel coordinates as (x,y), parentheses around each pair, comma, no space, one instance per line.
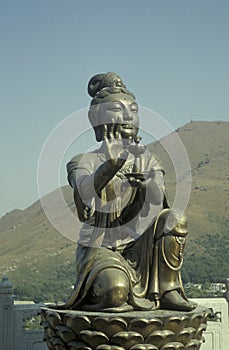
(173,54)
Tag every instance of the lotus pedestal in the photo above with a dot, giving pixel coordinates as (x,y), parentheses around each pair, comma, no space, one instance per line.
(136,330)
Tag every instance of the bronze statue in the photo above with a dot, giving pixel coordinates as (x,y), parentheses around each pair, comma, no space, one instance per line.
(131,244)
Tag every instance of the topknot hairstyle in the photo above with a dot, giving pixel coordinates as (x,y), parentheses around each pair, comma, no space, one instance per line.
(104,80)
(102,85)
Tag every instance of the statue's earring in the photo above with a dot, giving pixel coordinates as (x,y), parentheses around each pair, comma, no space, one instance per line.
(98,133)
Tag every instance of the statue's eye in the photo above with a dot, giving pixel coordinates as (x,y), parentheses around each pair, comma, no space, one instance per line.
(134,108)
(116,108)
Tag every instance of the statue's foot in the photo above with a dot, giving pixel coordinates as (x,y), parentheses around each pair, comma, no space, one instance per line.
(172,300)
(100,307)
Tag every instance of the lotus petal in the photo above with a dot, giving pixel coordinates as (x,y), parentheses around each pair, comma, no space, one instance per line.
(200,331)
(127,339)
(176,323)
(145,326)
(77,345)
(186,335)
(109,325)
(94,338)
(77,323)
(109,347)
(57,343)
(193,345)
(65,333)
(144,347)
(53,318)
(173,346)
(159,338)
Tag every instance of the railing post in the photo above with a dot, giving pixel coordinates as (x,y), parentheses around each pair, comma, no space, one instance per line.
(227,289)
(6,315)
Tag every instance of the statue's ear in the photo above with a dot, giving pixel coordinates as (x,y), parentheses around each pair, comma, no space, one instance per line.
(97,128)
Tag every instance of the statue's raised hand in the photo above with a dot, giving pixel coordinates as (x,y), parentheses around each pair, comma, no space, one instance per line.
(113,144)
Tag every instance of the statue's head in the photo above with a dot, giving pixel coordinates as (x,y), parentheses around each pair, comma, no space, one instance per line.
(112,103)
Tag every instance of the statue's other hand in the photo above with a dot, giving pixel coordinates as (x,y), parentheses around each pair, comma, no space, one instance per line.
(137,183)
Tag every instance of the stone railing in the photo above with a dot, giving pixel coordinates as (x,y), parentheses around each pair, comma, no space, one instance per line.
(20,325)
(217,333)
(19,322)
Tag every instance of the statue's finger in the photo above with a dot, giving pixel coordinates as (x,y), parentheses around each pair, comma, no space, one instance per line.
(118,129)
(111,129)
(141,184)
(104,132)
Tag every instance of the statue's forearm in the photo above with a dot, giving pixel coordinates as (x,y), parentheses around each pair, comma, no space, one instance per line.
(90,185)
(105,173)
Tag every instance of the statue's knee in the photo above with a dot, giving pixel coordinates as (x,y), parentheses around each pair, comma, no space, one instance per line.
(111,287)
(172,250)
(170,223)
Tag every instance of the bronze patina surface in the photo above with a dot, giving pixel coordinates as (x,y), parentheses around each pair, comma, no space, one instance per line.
(128,292)
(136,330)
(131,244)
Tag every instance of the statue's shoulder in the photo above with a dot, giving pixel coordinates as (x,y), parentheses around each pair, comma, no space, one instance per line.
(82,160)
(154,161)
(77,158)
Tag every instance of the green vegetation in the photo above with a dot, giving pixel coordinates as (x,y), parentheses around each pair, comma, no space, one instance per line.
(211,263)
(52,286)
(33,324)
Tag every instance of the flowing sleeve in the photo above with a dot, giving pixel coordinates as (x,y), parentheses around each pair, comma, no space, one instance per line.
(78,168)
(159,178)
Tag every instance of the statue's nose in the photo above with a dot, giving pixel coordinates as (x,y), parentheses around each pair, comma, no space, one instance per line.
(127,116)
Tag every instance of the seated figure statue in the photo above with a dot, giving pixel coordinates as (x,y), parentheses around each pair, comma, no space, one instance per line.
(131,244)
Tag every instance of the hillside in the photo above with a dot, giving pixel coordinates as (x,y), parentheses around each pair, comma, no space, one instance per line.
(40,261)
(207,145)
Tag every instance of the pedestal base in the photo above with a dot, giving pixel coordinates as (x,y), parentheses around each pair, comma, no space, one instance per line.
(136,330)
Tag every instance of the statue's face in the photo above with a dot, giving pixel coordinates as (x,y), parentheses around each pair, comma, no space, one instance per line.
(121,109)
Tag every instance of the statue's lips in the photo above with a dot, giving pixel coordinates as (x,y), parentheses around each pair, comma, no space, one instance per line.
(127,126)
